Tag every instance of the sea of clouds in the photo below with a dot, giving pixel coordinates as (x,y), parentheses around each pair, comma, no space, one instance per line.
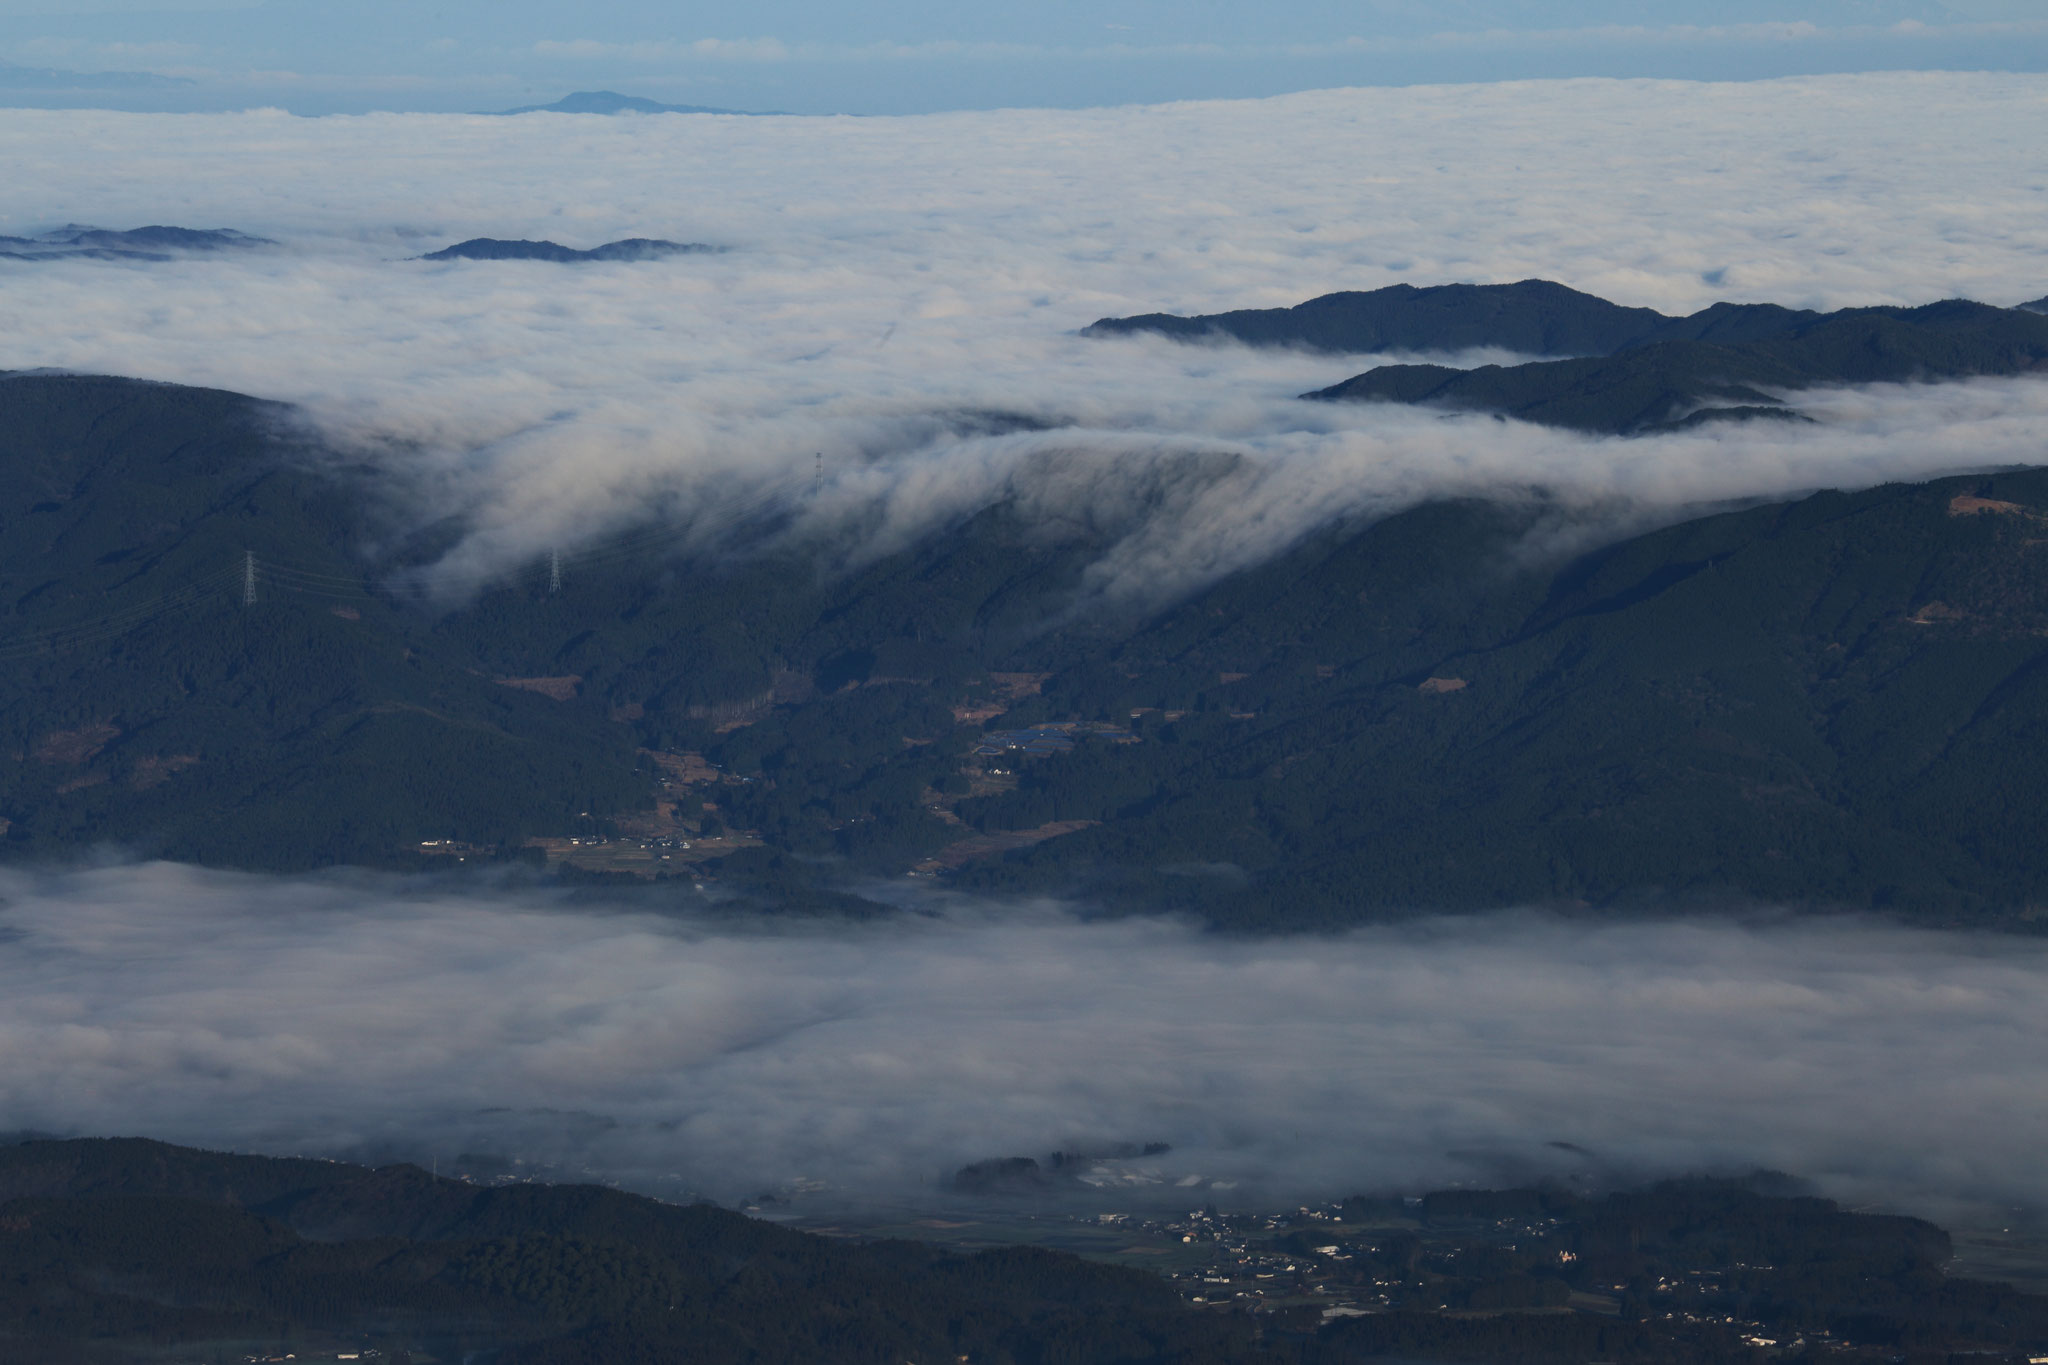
(891,281)
(680,1051)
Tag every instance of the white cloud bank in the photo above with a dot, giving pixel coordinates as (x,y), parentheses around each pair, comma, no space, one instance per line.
(889,274)
(320,1016)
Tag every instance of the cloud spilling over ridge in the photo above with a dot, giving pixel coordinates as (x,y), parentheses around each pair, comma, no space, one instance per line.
(329,1016)
(894,281)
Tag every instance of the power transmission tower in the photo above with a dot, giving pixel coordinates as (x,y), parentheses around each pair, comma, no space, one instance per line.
(818,478)
(248,578)
(554,572)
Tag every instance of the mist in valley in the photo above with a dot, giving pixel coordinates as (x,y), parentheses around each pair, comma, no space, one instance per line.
(654,1042)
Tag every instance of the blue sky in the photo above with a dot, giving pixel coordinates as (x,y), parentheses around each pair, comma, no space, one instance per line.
(911,56)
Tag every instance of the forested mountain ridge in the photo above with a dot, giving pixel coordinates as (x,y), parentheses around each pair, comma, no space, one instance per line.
(1825,701)
(1535,317)
(1631,370)
(1660,385)
(501,249)
(157,243)
(142,702)
(111,1250)
(119,1250)
(1831,702)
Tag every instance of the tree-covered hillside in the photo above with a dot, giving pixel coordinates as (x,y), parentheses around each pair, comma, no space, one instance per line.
(1839,700)
(115,1251)
(1632,370)
(1667,384)
(144,703)
(1833,702)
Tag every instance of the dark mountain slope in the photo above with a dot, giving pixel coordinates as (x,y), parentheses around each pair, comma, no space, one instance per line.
(1656,386)
(1830,702)
(498,249)
(334,720)
(144,702)
(1535,316)
(1635,370)
(117,1269)
(157,1252)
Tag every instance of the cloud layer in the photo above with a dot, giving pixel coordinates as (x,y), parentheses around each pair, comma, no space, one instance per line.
(891,284)
(671,1050)
(890,275)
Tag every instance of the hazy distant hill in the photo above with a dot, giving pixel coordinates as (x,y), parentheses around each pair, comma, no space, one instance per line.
(1834,701)
(499,249)
(611,102)
(138,244)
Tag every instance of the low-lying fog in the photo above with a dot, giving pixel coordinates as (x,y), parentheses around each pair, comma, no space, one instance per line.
(885,276)
(685,1051)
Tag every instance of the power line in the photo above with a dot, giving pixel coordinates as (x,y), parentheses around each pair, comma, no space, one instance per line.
(255,572)
(118,623)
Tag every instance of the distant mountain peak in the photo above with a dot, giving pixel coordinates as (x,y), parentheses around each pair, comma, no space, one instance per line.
(1725,362)
(153,243)
(508,249)
(1620,369)
(1538,317)
(612,102)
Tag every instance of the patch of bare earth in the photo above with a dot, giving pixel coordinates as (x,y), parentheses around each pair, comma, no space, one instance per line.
(727,716)
(1963,505)
(1010,688)
(555,689)
(155,769)
(1936,612)
(1439,686)
(76,746)
(664,821)
(687,768)
(1018,686)
(955,856)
